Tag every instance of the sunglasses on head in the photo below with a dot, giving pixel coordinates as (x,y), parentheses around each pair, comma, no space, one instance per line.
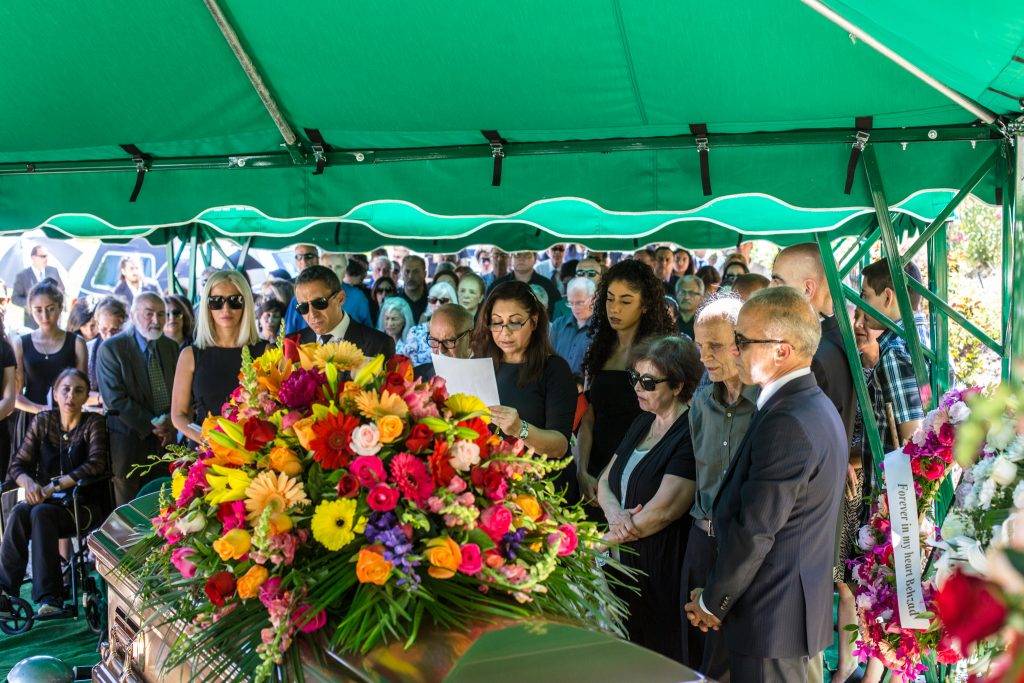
(235,302)
(319,304)
(435,300)
(647,383)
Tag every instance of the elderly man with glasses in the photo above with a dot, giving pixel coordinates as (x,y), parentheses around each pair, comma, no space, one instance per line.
(450,333)
(320,299)
(689,294)
(570,333)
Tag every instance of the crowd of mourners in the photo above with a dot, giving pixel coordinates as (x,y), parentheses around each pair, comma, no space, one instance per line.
(708,408)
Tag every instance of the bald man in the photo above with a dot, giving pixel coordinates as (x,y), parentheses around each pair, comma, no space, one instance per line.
(449,333)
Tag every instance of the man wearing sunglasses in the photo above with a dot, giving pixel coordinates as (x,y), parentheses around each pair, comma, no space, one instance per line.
(774,517)
(319,299)
(357,304)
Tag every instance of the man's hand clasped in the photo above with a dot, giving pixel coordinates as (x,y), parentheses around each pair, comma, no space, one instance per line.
(699,617)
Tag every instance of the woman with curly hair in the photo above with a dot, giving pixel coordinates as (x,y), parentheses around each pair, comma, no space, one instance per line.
(629,307)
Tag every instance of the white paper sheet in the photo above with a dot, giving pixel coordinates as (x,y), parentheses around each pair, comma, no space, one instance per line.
(473,376)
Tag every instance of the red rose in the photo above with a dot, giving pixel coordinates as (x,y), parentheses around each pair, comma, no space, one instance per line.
(419,438)
(917,467)
(382,498)
(258,433)
(969,610)
(934,469)
(219,587)
(491,481)
(348,486)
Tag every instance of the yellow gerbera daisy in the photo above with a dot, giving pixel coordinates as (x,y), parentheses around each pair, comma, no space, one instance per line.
(462,405)
(275,490)
(343,354)
(372,405)
(334,523)
(226,484)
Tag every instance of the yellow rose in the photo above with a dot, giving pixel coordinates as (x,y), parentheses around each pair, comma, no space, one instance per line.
(250,582)
(371,567)
(233,545)
(304,431)
(390,427)
(283,459)
(444,556)
(529,505)
(280,523)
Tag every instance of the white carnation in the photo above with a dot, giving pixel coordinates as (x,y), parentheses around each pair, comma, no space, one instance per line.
(1004,472)
(986,493)
(866,538)
(958,412)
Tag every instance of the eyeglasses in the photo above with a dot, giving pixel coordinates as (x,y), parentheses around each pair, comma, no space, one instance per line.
(447,343)
(177,313)
(308,256)
(235,302)
(386,291)
(587,272)
(435,300)
(647,383)
(319,304)
(511,327)
(742,342)
(580,304)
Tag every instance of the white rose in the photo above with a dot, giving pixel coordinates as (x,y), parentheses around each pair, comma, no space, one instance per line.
(191,523)
(986,493)
(464,454)
(366,440)
(1001,435)
(865,538)
(958,412)
(1004,472)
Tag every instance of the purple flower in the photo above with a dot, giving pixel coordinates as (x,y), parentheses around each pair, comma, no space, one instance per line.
(383,528)
(510,543)
(299,390)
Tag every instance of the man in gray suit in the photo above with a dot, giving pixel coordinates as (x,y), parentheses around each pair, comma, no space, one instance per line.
(30,277)
(770,589)
(136,372)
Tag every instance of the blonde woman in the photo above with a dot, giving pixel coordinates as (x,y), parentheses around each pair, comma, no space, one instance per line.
(208,370)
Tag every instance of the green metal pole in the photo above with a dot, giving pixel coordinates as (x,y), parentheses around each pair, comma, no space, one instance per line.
(872,435)
(938,282)
(240,266)
(891,250)
(193,247)
(864,251)
(1013,200)
(172,282)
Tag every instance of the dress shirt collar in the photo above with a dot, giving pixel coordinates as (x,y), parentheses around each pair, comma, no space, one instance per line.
(748,393)
(338,333)
(141,341)
(776,384)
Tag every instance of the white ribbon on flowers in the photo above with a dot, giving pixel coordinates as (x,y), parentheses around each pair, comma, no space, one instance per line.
(906,539)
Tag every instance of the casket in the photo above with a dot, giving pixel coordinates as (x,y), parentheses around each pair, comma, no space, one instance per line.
(493,651)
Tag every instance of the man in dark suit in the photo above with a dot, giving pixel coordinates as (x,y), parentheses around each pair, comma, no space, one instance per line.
(319,299)
(774,517)
(30,277)
(136,374)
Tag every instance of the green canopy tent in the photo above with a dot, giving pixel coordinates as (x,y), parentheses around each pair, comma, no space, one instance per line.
(616,123)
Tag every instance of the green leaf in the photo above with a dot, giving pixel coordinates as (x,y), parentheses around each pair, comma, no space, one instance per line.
(436,424)
(481,539)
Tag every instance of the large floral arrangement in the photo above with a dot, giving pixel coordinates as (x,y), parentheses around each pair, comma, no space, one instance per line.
(880,634)
(340,496)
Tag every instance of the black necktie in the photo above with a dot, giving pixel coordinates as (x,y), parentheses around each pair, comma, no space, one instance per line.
(161,397)
(325,338)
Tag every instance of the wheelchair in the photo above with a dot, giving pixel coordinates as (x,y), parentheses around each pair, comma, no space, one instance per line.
(82,586)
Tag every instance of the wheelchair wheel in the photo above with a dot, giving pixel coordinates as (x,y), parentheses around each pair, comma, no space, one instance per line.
(93,616)
(20,619)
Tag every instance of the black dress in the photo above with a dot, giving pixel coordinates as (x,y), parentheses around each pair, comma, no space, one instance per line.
(40,371)
(655,614)
(7,360)
(216,376)
(547,403)
(615,409)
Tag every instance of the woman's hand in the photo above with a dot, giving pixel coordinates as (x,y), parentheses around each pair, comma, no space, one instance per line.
(506,419)
(588,486)
(620,523)
(34,493)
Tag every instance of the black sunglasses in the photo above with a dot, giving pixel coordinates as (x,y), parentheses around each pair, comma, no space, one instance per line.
(305,257)
(235,302)
(386,291)
(447,343)
(647,383)
(178,313)
(586,272)
(319,304)
(742,341)
(433,300)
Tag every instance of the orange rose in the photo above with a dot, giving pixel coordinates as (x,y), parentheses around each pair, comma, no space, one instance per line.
(250,582)
(390,427)
(233,545)
(304,431)
(283,459)
(444,556)
(371,567)
(529,505)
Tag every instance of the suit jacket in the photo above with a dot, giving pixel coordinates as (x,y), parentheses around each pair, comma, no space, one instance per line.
(370,341)
(775,525)
(831,368)
(23,284)
(125,292)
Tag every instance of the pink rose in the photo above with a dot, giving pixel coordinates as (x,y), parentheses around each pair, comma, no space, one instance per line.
(368,469)
(180,560)
(457,485)
(365,440)
(495,522)
(472,559)
(566,539)
(463,455)
(382,498)
(314,624)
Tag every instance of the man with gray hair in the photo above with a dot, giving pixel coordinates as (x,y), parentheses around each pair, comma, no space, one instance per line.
(449,333)
(136,372)
(689,294)
(570,334)
(774,517)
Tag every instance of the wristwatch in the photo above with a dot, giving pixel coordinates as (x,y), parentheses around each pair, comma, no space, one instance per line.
(55,483)
(524,429)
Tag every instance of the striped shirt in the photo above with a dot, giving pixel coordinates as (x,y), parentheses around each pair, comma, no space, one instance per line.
(894,382)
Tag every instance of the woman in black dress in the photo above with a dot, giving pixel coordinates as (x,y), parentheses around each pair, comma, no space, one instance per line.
(648,487)
(536,387)
(629,306)
(208,370)
(8,396)
(42,354)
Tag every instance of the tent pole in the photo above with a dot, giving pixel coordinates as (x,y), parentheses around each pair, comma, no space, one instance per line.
(872,435)
(1013,201)
(193,247)
(172,281)
(219,249)
(862,251)
(938,282)
(891,250)
(971,106)
(240,267)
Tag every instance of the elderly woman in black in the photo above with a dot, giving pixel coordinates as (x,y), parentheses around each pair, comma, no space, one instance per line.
(648,487)
(62,447)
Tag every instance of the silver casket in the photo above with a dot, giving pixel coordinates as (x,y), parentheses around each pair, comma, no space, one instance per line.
(493,651)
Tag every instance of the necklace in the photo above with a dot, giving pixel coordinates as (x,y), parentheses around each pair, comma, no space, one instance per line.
(44,350)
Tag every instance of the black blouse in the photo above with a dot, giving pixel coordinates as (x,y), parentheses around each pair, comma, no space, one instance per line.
(216,376)
(547,403)
(46,453)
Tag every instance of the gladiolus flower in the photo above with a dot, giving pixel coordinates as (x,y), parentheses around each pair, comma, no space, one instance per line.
(444,556)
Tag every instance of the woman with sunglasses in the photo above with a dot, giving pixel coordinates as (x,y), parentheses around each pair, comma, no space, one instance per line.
(181,323)
(628,307)
(416,346)
(208,370)
(648,487)
(536,387)
(395,320)
(383,287)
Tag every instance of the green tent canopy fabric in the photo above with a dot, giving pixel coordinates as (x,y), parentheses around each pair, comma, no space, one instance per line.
(595,101)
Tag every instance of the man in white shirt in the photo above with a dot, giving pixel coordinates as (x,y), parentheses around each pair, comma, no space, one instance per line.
(320,300)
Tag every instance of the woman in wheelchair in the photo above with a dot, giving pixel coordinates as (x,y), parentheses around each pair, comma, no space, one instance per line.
(62,448)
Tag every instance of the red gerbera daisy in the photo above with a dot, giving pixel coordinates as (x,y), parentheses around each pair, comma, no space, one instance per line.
(330,444)
(440,469)
(410,475)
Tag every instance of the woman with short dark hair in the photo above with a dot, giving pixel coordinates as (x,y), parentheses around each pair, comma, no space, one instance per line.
(82,322)
(711,278)
(536,387)
(648,487)
(181,322)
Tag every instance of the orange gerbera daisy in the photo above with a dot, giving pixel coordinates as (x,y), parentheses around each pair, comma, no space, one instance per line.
(275,490)
(373,405)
